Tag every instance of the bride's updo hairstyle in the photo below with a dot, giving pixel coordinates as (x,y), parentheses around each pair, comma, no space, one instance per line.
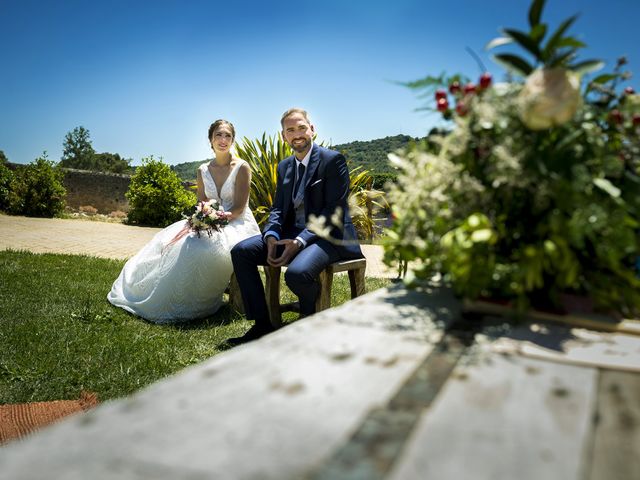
(217,124)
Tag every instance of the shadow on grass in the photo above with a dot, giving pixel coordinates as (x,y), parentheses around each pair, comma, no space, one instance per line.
(224,316)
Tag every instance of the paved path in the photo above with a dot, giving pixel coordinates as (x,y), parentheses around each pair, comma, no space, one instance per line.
(108,240)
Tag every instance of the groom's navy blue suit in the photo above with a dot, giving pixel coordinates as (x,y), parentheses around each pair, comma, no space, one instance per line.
(326,188)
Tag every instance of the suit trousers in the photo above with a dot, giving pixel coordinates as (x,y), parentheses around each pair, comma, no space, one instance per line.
(301,275)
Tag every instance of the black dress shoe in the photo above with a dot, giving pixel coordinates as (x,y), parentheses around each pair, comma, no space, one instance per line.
(254,333)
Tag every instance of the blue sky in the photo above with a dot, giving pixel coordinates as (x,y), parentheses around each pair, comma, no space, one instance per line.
(147,78)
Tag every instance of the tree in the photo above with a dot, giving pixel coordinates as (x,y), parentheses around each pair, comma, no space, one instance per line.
(6,178)
(110,162)
(78,151)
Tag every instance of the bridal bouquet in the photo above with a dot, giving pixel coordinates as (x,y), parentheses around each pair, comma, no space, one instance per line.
(207,216)
(531,193)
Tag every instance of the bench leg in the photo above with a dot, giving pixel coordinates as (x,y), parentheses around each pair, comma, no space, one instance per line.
(323,301)
(235,297)
(272,291)
(356,280)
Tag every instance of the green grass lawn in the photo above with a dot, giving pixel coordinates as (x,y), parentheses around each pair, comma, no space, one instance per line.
(59,335)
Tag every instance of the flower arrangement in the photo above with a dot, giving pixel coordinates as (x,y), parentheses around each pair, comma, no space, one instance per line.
(207,216)
(533,193)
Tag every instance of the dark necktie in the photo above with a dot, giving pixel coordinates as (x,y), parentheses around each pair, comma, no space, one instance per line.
(299,180)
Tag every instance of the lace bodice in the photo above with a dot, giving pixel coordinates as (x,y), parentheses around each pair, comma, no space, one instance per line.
(226,194)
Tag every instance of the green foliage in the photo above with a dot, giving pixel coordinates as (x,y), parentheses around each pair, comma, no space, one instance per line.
(187,171)
(372,155)
(380,180)
(110,162)
(503,210)
(79,153)
(37,189)
(6,178)
(263,156)
(560,50)
(364,202)
(156,195)
(60,336)
(77,150)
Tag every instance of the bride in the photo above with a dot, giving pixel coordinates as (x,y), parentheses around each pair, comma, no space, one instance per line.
(171,280)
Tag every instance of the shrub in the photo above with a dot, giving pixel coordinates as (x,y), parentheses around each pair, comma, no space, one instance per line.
(37,190)
(156,195)
(6,178)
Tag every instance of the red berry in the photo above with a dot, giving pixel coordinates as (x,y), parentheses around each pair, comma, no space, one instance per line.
(454,88)
(485,80)
(461,109)
(635,119)
(443,105)
(440,93)
(629,91)
(469,88)
(615,116)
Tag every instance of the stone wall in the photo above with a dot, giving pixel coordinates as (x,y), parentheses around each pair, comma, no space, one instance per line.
(104,191)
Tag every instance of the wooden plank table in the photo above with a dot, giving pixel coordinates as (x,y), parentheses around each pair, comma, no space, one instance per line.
(395,385)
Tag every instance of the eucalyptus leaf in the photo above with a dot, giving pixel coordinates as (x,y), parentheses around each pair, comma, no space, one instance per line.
(556,37)
(587,66)
(497,42)
(607,186)
(524,40)
(514,63)
(570,42)
(562,58)
(538,32)
(605,77)
(535,12)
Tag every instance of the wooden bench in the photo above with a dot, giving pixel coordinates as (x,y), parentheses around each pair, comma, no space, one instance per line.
(354,268)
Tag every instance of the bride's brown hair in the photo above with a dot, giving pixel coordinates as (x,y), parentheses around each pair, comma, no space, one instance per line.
(217,124)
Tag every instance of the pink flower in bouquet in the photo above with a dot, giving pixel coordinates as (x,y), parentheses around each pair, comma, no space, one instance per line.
(208,216)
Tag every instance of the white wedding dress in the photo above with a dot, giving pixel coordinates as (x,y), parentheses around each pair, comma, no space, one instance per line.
(170,283)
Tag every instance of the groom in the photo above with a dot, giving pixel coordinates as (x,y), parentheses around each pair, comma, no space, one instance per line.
(313,181)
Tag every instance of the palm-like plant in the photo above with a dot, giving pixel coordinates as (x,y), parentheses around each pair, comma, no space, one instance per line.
(263,155)
(364,201)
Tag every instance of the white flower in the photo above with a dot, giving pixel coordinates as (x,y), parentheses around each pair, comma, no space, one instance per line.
(550,97)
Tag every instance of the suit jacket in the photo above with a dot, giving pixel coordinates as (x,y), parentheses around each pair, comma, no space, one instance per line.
(326,187)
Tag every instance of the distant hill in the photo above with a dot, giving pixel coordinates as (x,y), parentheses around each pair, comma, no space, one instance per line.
(370,154)
(187,171)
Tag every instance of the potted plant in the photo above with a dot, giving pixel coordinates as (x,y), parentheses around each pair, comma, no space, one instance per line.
(533,194)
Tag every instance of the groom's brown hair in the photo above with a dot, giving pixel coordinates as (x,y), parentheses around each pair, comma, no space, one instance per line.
(293,110)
